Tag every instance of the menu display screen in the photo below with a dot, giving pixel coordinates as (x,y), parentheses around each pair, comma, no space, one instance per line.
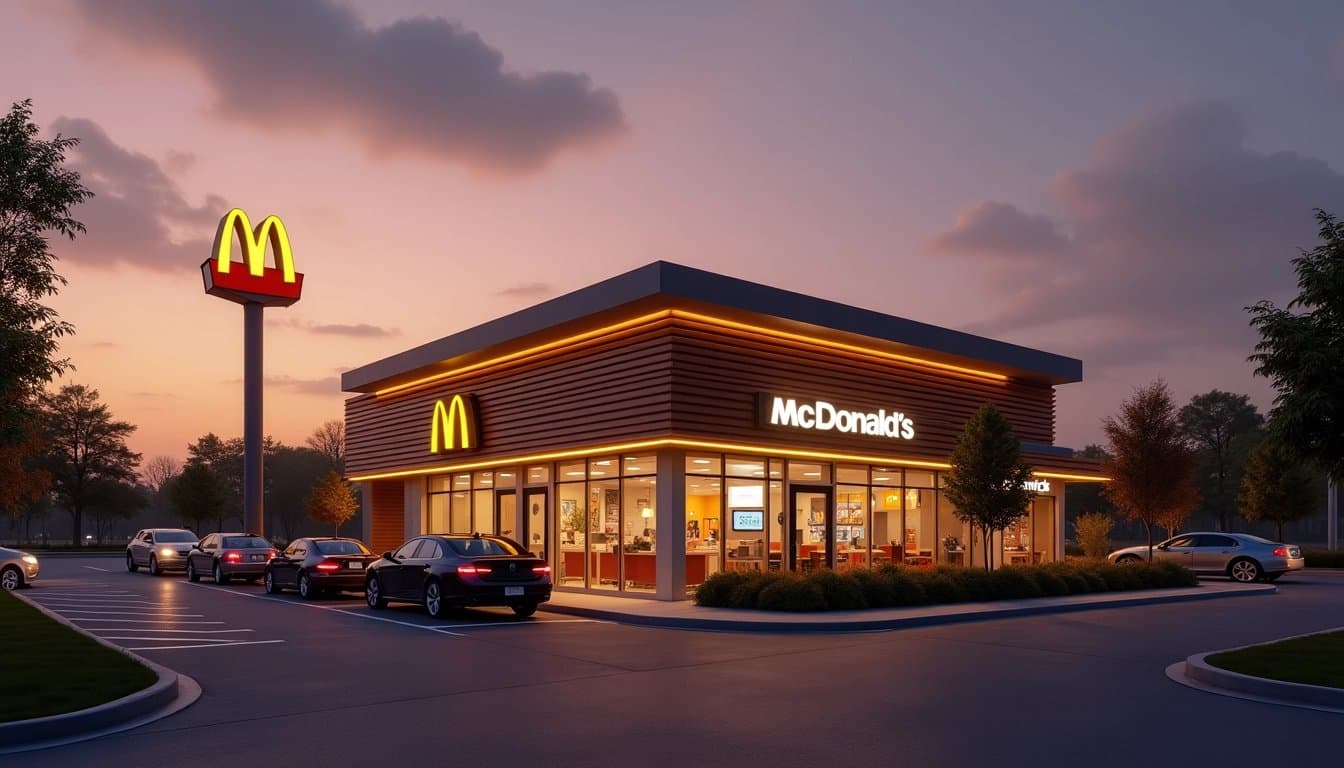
(748,520)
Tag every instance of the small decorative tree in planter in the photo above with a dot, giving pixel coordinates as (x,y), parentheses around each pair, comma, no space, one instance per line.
(987,484)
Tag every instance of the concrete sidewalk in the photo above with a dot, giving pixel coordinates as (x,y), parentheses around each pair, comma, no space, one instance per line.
(687,615)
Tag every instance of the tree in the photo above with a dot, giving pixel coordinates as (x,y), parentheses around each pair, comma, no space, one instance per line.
(987,484)
(87,450)
(114,500)
(332,501)
(292,473)
(1301,351)
(196,495)
(156,473)
(1093,530)
(225,457)
(1276,487)
(1210,422)
(329,440)
(36,195)
(1152,469)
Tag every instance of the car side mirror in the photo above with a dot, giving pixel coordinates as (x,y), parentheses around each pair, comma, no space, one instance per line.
(388,557)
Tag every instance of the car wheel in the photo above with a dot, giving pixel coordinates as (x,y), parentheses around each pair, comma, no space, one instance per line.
(192,575)
(1243,570)
(271,587)
(373,594)
(1128,560)
(220,578)
(131,567)
(11,579)
(523,610)
(154,565)
(434,604)
(306,589)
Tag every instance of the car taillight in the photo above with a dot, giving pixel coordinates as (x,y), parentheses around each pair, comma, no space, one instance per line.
(329,565)
(472,570)
(272,554)
(1280,551)
(542,570)
(233,557)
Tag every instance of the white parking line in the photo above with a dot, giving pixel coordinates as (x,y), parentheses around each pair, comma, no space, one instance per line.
(97,630)
(109,593)
(94,601)
(283,601)
(143,621)
(94,568)
(160,639)
(64,611)
(218,645)
(521,624)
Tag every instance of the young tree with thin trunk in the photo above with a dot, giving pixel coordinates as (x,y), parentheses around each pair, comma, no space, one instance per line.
(87,450)
(1152,470)
(987,483)
(1277,487)
(196,495)
(332,501)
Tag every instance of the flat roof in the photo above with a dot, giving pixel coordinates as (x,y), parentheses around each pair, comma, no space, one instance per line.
(675,282)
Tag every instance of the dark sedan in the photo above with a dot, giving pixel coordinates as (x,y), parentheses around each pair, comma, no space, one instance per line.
(317,565)
(444,572)
(225,556)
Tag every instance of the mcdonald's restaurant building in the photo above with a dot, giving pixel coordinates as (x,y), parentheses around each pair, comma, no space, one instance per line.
(669,423)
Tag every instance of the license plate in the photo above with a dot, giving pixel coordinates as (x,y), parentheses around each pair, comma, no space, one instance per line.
(355,565)
(513,591)
(257,558)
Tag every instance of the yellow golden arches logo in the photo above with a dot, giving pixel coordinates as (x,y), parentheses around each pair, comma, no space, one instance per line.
(453,426)
(253,243)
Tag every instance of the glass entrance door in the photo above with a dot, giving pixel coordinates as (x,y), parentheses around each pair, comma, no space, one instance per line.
(534,521)
(811,520)
(506,507)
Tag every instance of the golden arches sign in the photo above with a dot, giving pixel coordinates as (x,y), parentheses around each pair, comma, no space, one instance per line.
(273,286)
(453,426)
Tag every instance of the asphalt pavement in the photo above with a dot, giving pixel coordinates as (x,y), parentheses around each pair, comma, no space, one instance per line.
(332,682)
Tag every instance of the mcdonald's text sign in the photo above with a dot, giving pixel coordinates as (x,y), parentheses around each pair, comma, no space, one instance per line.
(453,425)
(252,282)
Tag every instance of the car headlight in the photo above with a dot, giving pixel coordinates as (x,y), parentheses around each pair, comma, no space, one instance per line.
(166,552)
(29,559)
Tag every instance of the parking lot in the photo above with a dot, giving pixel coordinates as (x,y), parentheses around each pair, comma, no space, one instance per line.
(333,680)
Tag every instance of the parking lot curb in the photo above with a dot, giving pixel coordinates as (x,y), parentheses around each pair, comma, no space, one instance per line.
(733,620)
(1197,672)
(171,693)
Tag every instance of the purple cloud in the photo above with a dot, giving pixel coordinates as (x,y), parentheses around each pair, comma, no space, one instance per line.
(526,290)
(1002,231)
(425,86)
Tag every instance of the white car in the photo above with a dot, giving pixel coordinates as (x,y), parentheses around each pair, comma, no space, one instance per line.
(1239,556)
(159,550)
(17,569)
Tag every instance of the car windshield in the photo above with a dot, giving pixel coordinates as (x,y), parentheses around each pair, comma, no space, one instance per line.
(246,542)
(342,547)
(174,537)
(474,547)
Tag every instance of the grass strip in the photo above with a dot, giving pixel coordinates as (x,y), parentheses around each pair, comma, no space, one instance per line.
(1313,660)
(51,669)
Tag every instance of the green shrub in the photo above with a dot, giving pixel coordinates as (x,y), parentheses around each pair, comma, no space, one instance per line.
(1073,578)
(1092,572)
(878,591)
(791,593)
(977,583)
(745,594)
(841,590)
(1016,582)
(1094,534)
(1121,577)
(938,587)
(714,591)
(1174,575)
(1048,581)
(1323,558)
(905,590)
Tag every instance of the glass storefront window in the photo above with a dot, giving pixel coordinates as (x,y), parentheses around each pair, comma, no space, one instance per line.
(742,467)
(851,526)
(707,464)
(776,469)
(538,474)
(887,476)
(1018,541)
(600,468)
(604,533)
(744,525)
(848,473)
(484,479)
(506,478)
(438,511)
(774,522)
(571,471)
(439,483)
(483,511)
(917,541)
(459,517)
(639,549)
(704,515)
(1043,529)
(461,482)
(639,465)
(572,529)
(804,473)
(886,526)
(951,533)
(918,478)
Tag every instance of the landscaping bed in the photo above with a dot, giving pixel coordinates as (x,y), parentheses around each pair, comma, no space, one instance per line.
(1313,660)
(1323,558)
(51,669)
(900,586)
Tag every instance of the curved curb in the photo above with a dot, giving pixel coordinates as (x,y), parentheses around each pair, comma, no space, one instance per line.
(862,621)
(171,693)
(1197,673)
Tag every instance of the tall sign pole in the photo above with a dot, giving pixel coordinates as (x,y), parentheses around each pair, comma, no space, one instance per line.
(1332,516)
(255,286)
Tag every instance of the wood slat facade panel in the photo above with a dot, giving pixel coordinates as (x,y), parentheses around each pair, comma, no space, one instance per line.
(676,376)
(387,524)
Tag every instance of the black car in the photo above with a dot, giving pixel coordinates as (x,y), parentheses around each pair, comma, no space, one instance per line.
(317,565)
(445,571)
(225,556)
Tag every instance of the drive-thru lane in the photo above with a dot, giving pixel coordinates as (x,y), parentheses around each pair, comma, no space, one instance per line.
(351,685)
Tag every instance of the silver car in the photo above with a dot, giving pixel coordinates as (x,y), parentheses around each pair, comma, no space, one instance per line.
(17,568)
(159,550)
(1239,556)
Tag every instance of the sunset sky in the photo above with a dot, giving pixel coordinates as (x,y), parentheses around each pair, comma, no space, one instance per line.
(1110,181)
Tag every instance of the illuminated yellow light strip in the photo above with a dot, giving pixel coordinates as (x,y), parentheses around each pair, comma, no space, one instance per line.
(708,319)
(670,442)
(540,348)
(253,244)
(836,345)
